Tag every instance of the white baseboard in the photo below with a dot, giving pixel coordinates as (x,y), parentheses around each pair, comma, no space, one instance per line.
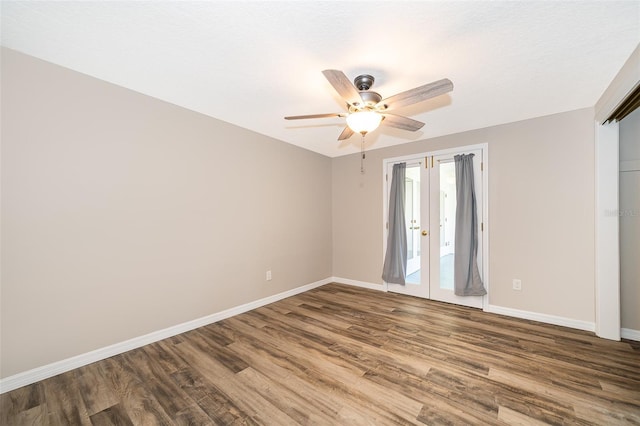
(549,319)
(40,373)
(629,333)
(355,283)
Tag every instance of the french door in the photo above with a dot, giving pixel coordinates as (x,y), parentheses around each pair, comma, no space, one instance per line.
(430,211)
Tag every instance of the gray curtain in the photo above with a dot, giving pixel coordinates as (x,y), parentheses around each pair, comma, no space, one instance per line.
(395,260)
(467,281)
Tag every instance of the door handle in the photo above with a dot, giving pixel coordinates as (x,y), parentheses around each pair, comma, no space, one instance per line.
(425,233)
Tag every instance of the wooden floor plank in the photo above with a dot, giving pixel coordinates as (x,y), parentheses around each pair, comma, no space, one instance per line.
(220,408)
(64,400)
(96,395)
(114,415)
(247,399)
(516,418)
(274,368)
(345,355)
(136,398)
(27,399)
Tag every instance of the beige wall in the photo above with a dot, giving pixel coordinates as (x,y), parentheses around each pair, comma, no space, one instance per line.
(541,212)
(123,215)
(630,221)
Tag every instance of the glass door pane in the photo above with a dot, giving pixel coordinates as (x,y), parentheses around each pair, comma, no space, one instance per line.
(412,217)
(447,223)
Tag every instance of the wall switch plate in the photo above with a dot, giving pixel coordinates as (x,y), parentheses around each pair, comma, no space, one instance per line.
(269,275)
(517,284)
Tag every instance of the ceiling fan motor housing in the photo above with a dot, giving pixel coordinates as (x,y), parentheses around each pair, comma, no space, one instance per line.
(364,81)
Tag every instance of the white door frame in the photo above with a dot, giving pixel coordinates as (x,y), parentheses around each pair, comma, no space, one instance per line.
(607,256)
(485,207)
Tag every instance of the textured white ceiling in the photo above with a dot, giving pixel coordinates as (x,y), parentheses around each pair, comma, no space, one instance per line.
(250,63)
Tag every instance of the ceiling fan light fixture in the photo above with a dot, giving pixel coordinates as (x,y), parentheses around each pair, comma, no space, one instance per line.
(364,121)
(367,109)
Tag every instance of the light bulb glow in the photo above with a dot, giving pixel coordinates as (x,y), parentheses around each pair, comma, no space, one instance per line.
(364,121)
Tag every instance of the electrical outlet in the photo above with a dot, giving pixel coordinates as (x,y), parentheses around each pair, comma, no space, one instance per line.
(517,284)
(269,275)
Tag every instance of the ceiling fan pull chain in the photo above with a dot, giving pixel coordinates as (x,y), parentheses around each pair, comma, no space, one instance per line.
(362,156)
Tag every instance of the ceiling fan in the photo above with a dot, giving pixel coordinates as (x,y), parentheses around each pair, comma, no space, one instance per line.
(367,110)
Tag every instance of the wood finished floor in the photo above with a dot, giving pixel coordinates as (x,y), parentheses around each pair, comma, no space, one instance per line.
(341,355)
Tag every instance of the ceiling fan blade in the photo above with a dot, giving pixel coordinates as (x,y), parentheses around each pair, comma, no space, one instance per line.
(346,133)
(401,122)
(304,117)
(417,94)
(343,86)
